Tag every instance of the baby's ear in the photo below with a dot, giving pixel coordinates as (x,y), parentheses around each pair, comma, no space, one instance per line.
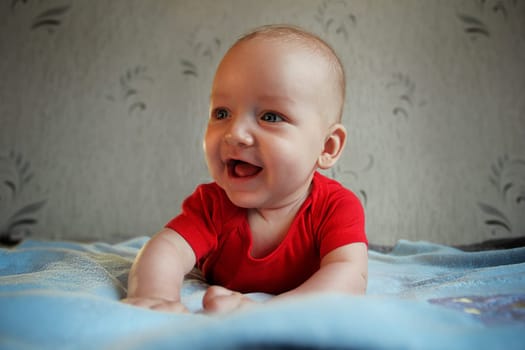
(333,146)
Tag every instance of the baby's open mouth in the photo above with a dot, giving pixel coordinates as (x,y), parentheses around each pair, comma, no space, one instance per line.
(239,168)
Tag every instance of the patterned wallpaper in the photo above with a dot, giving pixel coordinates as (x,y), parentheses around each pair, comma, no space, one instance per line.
(104,105)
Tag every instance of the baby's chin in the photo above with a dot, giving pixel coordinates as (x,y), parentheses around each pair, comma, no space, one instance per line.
(245,200)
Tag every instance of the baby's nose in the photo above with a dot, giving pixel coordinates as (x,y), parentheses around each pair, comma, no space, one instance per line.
(239,133)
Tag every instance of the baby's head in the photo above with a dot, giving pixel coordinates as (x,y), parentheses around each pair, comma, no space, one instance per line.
(275,113)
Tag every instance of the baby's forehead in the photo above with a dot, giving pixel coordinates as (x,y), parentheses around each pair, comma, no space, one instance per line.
(284,56)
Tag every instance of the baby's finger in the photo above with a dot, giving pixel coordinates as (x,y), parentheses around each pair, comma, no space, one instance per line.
(215,291)
(223,304)
(157,304)
(170,306)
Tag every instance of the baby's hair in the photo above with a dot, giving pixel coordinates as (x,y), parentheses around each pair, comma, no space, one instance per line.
(307,40)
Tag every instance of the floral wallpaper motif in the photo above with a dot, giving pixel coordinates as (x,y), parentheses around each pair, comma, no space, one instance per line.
(16,218)
(203,52)
(335,17)
(507,215)
(405,88)
(475,24)
(132,84)
(49,16)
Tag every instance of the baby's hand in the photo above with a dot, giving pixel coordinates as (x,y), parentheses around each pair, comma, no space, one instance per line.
(158,304)
(222,300)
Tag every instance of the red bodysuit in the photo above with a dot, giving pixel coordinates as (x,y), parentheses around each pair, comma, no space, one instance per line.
(220,236)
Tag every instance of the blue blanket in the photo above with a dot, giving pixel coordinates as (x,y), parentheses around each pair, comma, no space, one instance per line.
(57,295)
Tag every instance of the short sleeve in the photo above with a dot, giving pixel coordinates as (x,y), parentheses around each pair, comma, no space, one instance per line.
(197,223)
(342,222)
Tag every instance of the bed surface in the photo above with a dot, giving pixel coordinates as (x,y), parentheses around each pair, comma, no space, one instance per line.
(420,295)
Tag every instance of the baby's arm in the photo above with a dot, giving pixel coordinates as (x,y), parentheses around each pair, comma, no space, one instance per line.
(343,270)
(156,276)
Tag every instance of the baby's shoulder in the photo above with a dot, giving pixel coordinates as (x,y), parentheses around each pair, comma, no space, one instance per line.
(326,189)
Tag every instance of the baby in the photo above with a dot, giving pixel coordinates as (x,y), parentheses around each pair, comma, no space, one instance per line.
(269,222)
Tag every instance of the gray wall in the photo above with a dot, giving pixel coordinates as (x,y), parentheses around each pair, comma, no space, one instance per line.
(103,105)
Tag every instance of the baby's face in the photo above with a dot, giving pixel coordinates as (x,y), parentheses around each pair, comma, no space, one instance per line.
(267,123)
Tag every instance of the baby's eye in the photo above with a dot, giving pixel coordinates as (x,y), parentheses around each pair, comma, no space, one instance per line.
(271,117)
(221,113)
